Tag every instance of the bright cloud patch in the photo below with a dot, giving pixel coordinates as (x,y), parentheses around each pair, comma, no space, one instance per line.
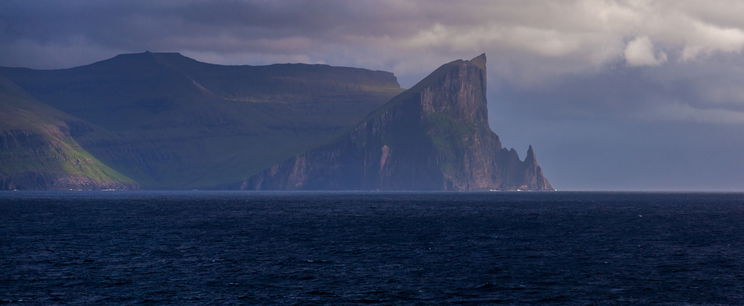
(640,52)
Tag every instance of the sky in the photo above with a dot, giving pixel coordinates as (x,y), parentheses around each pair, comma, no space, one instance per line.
(613,95)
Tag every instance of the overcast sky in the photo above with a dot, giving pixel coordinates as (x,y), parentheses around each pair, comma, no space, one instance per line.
(612,94)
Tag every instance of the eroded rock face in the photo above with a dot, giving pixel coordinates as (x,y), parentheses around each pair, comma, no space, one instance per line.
(434,136)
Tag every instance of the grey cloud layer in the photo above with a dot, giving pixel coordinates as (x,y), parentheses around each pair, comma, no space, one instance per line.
(588,32)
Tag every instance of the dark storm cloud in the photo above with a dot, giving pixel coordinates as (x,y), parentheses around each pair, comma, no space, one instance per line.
(286,27)
(531,39)
(577,78)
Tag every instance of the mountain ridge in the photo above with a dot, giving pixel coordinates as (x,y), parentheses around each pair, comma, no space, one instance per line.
(170,122)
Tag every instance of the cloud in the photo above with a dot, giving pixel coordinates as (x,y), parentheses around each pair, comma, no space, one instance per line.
(708,38)
(586,81)
(589,31)
(686,112)
(532,45)
(640,52)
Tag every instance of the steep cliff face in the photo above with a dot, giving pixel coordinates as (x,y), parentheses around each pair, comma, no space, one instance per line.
(434,136)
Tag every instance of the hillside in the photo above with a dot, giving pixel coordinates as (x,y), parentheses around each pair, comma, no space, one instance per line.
(170,122)
(38,152)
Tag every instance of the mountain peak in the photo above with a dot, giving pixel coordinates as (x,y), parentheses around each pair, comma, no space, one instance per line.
(150,53)
(434,136)
(148,56)
(530,158)
(134,61)
(456,89)
(480,61)
(532,173)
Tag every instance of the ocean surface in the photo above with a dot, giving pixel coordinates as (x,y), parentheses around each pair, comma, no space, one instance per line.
(344,248)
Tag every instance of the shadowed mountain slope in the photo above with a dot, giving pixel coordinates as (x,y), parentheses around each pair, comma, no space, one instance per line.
(170,122)
(434,136)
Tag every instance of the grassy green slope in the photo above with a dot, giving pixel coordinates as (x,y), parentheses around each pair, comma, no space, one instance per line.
(170,122)
(39,153)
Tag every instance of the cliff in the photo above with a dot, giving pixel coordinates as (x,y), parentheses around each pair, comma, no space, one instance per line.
(434,136)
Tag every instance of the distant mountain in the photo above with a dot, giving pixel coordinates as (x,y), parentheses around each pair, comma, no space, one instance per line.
(166,121)
(434,136)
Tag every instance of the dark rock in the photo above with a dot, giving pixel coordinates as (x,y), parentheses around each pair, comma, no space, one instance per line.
(434,136)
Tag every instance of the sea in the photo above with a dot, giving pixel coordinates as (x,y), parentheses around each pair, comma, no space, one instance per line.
(203,247)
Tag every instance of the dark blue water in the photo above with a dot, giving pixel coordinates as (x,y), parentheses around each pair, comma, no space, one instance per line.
(180,248)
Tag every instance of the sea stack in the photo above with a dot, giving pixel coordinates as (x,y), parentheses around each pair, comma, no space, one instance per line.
(434,136)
